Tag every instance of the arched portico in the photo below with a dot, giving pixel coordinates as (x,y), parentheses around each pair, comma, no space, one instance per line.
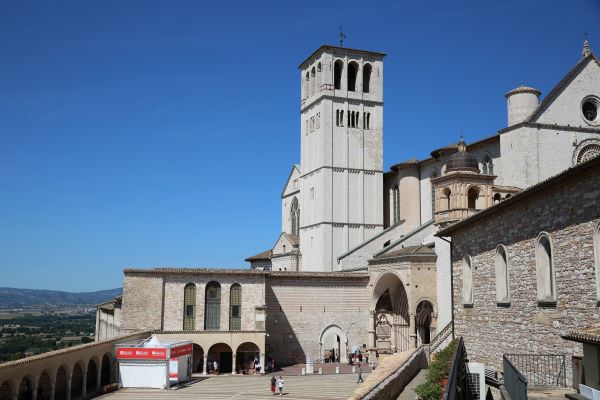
(106,370)
(333,339)
(77,380)
(390,320)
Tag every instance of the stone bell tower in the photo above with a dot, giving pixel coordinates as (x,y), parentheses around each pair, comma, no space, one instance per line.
(341,182)
(463,190)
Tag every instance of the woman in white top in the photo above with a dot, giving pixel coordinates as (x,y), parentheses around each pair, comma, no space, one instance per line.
(280,385)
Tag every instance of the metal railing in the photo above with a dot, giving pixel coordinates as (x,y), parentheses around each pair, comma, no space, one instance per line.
(441,337)
(457,387)
(540,370)
(514,382)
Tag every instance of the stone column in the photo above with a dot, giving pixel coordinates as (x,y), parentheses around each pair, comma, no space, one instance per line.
(413,330)
(69,389)
(205,364)
(83,388)
(52,390)
(371,329)
(262,363)
(15,394)
(233,363)
(98,378)
(34,389)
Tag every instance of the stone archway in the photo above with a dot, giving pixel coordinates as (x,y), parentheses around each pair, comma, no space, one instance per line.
(25,390)
(424,319)
(61,384)
(197,358)
(391,320)
(222,353)
(6,391)
(44,391)
(333,342)
(105,370)
(91,380)
(77,381)
(246,355)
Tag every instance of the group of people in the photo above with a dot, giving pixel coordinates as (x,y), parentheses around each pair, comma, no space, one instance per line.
(357,357)
(277,383)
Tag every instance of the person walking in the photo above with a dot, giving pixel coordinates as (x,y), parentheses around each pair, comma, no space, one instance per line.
(280,385)
(273,383)
(360,379)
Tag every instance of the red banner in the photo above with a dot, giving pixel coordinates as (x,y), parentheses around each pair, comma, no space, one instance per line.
(141,353)
(181,350)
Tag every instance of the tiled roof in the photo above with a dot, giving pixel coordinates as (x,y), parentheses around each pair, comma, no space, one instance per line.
(423,253)
(589,335)
(265,255)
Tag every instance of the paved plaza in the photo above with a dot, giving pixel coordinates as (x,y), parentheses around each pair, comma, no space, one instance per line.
(337,386)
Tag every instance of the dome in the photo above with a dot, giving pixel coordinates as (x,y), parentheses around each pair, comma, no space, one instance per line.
(462,160)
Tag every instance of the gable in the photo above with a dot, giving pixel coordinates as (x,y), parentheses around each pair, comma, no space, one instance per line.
(562,106)
(289,241)
(291,185)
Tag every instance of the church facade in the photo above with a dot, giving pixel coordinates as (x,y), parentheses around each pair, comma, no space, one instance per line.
(358,264)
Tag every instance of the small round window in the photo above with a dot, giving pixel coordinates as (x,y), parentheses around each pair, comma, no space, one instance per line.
(590,109)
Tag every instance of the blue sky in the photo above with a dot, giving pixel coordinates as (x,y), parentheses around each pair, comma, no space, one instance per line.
(147,133)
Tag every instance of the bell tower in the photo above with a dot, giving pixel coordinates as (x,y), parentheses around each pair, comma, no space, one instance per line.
(341,183)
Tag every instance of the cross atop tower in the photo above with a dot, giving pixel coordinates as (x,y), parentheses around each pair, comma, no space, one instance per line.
(342,37)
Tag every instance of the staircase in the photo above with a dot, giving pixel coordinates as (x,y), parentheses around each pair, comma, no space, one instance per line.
(441,337)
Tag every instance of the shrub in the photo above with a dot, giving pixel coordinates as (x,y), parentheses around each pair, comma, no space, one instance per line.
(429,391)
(439,368)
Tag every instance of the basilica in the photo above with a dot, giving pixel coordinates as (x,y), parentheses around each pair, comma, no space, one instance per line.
(365,259)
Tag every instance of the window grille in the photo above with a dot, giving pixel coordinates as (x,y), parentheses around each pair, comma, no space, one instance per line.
(235,305)
(189,307)
(212,314)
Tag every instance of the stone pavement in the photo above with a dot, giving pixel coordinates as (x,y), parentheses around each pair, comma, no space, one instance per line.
(328,368)
(314,387)
(409,391)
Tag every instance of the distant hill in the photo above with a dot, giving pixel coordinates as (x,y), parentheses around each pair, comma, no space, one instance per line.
(16,298)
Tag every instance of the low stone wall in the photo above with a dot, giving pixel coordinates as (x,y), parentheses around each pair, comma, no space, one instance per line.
(392,375)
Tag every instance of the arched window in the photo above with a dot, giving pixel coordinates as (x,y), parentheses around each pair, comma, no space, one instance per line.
(342,118)
(467,273)
(597,258)
(337,74)
(472,195)
(212,312)
(502,278)
(312,80)
(307,81)
(497,198)
(367,78)
(189,307)
(352,74)
(295,216)
(544,263)
(488,165)
(396,203)
(235,307)
(337,117)
(368,120)
(447,194)
(434,174)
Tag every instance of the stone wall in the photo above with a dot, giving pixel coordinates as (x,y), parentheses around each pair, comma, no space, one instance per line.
(142,302)
(569,211)
(300,308)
